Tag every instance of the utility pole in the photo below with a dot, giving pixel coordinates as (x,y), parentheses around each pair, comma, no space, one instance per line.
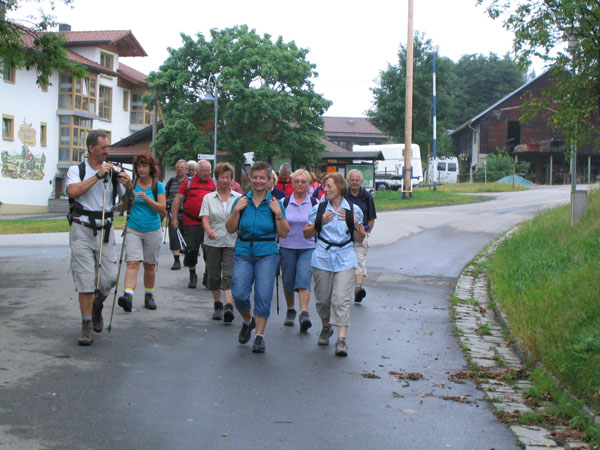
(406,176)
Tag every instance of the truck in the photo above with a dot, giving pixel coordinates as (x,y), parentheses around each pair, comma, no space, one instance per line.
(443,170)
(388,173)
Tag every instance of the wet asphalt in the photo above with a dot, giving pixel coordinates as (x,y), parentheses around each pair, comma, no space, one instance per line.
(174,379)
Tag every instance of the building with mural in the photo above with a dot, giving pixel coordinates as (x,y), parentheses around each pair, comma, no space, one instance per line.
(44,129)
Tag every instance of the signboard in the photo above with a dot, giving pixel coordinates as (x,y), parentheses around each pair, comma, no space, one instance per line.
(368,174)
(208,157)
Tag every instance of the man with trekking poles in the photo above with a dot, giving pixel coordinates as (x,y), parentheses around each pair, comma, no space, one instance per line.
(93,186)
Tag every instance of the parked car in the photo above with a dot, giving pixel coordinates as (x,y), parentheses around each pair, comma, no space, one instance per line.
(391,183)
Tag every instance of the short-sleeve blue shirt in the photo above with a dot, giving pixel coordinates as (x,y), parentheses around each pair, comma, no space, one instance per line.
(335,259)
(143,217)
(257,223)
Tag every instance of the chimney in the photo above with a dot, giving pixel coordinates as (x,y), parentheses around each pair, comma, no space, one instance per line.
(64,27)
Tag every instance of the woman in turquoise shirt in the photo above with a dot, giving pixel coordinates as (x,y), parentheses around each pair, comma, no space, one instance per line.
(143,232)
(259,219)
(334,261)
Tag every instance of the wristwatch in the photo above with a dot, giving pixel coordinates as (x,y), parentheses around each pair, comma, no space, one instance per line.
(98,176)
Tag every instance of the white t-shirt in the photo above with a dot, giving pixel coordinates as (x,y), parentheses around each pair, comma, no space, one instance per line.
(93,198)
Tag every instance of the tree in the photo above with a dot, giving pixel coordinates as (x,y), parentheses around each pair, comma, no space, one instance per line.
(267,103)
(483,80)
(463,90)
(499,165)
(541,29)
(390,96)
(33,47)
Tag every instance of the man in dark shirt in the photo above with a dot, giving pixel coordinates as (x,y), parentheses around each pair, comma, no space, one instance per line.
(171,189)
(359,196)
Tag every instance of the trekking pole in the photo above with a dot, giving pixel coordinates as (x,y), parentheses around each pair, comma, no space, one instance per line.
(97,290)
(277,285)
(118,271)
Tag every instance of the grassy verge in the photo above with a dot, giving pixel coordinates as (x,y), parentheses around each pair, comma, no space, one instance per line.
(26,226)
(546,279)
(447,194)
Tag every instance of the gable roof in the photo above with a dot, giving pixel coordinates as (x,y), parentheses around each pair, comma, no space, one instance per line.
(75,57)
(498,103)
(122,42)
(130,74)
(351,126)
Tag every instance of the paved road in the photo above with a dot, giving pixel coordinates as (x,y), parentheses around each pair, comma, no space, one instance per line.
(172,378)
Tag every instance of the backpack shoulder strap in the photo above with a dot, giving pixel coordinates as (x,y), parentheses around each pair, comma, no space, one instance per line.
(319,218)
(313,201)
(350,220)
(187,190)
(286,201)
(155,189)
(81,166)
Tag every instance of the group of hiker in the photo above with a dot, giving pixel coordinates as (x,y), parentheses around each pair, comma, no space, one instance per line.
(315,234)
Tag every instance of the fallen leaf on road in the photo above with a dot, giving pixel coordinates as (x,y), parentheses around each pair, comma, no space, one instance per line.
(409,411)
(457,398)
(370,375)
(406,375)
(396,395)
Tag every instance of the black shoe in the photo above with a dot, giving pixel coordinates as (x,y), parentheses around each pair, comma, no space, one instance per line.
(149,301)
(97,320)
(205,279)
(126,301)
(246,331)
(218,312)
(290,316)
(176,265)
(359,294)
(305,322)
(228,313)
(259,345)
(193,280)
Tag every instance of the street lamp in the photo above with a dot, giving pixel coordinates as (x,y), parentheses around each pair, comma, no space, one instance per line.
(213,97)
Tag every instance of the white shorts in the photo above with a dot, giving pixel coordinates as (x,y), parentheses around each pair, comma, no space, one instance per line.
(143,245)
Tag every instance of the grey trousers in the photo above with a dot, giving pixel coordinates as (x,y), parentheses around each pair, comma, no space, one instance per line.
(332,292)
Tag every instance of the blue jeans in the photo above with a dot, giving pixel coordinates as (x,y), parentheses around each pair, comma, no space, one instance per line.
(260,272)
(295,269)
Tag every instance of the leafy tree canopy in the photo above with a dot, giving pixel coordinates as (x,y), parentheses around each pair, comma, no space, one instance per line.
(30,45)
(267,103)
(463,89)
(542,29)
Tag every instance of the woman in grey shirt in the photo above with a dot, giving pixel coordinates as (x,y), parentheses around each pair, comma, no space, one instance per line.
(219,244)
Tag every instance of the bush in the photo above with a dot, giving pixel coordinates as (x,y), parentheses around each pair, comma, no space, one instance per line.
(499,165)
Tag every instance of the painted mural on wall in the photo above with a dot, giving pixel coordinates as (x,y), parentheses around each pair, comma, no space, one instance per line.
(24,165)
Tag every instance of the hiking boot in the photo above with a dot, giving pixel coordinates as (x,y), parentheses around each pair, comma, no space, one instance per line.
(341,349)
(205,279)
(246,331)
(97,320)
(218,312)
(176,265)
(290,316)
(149,302)
(305,322)
(126,301)
(324,335)
(259,345)
(228,313)
(359,294)
(85,338)
(193,280)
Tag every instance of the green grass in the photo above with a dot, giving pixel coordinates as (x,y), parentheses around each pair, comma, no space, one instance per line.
(546,277)
(27,226)
(447,194)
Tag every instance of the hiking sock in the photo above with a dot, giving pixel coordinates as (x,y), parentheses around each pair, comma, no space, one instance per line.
(86,317)
(129,291)
(176,258)
(149,290)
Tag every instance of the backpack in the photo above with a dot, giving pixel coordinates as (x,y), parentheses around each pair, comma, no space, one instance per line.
(349,224)
(187,190)
(76,208)
(286,201)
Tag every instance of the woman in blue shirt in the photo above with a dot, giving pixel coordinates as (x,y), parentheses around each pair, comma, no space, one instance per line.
(334,261)
(143,232)
(259,219)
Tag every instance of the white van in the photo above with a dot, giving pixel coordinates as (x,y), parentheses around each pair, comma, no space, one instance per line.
(443,170)
(394,161)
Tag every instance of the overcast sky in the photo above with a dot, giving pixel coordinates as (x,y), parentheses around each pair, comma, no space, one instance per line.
(349,41)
